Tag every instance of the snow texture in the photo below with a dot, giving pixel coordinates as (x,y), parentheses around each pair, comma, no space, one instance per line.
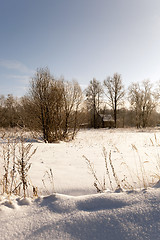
(76,211)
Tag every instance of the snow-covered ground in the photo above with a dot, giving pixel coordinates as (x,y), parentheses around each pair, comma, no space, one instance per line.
(75,210)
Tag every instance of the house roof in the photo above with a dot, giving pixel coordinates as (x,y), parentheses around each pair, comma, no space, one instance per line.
(106,118)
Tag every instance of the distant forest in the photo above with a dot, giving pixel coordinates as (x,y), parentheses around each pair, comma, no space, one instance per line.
(59,108)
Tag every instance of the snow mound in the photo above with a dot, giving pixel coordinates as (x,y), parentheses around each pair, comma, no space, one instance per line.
(100,202)
(157,185)
(9,204)
(113,216)
(57,203)
(24,201)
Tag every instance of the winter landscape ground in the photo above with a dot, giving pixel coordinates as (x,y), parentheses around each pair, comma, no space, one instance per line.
(70,207)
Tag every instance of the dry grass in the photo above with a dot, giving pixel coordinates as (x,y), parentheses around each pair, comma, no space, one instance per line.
(48,181)
(137,178)
(110,174)
(16,155)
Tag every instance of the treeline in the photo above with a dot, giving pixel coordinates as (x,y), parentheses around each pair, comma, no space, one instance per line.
(136,106)
(58,108)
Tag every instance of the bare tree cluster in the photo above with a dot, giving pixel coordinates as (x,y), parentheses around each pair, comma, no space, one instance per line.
(56,108)
(143,102)
(9,111)
(113,90)
(111,98)
(52,106)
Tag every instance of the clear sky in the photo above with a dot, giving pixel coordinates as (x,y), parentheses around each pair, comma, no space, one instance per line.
(78,39)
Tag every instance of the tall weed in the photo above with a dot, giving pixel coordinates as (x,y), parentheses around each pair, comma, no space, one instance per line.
(16,155)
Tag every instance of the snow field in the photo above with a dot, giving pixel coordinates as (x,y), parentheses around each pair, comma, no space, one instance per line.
(75,211)
(134,154)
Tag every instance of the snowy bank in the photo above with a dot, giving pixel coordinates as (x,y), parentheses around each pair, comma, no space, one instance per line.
(109,216)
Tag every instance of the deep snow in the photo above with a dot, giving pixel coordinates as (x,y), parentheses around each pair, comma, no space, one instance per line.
(109,216)
(76,211)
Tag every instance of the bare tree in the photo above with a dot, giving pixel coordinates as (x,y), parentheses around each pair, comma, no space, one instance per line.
(53,106)
(39,93)
(56,109)
(46,97)
(142,100)
(115,93)
(72,100)
(93,96)
(10,114)
(135,98)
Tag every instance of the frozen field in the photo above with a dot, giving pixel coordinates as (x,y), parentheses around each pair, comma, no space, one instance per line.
(134,154)
(76,211)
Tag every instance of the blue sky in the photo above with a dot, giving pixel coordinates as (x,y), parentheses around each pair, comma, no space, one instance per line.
(78,39)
